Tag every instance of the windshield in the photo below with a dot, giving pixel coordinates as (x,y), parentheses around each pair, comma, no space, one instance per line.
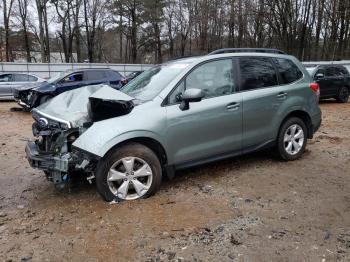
(148,84)
(56,77)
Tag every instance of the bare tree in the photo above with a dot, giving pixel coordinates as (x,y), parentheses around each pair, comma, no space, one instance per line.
(7,9)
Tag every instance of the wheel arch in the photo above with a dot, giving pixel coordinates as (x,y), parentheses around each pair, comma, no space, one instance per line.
(303,115)
(149,142)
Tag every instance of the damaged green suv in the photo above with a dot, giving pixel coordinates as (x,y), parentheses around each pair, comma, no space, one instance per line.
(176,115)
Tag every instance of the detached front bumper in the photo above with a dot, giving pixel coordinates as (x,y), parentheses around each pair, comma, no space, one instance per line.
(47,162)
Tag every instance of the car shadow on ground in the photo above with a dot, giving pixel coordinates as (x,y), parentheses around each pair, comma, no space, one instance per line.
(328,101)
(203,174)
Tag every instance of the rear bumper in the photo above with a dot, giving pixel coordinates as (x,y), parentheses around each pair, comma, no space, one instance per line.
(316,123)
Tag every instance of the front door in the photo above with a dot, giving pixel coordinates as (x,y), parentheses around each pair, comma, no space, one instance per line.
(70,82)
(212,127)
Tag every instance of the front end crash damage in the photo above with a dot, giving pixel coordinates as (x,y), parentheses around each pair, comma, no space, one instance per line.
(58,123)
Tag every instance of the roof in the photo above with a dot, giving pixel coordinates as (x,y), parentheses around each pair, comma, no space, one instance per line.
(88,69)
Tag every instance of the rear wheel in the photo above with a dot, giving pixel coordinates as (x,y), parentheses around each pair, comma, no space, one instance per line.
(292,139)
(130,172)
(343,95)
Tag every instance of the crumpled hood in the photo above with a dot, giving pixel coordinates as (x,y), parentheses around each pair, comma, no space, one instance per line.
(73,106)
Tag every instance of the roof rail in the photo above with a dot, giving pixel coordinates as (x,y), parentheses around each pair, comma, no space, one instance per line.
(247,50)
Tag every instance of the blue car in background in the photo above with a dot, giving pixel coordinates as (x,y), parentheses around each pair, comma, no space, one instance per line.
(33,95)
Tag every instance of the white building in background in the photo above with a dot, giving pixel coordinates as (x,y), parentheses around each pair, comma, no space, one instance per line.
(55,57)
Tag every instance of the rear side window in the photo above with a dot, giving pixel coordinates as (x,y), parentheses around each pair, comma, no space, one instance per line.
(332,71)
(257,72)
(343,70)
(114,74)
(22,78)
(288,71)
(95,75)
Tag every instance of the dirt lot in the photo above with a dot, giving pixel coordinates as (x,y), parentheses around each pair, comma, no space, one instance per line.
(251,208)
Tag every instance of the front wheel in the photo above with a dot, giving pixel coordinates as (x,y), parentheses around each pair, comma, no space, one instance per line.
(129,172)
(292,139)
(343,95)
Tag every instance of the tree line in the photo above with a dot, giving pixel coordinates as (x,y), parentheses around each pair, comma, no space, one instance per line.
(153,31)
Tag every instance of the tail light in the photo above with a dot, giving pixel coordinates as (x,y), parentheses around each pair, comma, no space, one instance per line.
(314,87)
(124,81)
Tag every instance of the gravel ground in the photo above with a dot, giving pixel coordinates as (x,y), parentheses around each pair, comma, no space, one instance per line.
(250,208)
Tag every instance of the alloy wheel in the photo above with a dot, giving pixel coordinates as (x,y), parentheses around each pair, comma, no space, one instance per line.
(130,178)
(293,139)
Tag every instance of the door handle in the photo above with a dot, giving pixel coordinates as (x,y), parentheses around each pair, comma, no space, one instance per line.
(282,95)
(232,106)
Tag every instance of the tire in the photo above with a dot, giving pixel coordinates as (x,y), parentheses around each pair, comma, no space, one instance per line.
(343,95)
(44,99)
(128,163)
(286,141)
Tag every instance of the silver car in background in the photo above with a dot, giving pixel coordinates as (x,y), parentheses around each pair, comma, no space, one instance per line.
(9,81)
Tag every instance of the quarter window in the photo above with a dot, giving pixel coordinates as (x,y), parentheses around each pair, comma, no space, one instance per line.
(214,78)
(257,72)
(288,71)
(32,78)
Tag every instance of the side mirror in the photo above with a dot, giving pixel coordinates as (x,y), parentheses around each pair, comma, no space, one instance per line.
(319,76)
(189,96)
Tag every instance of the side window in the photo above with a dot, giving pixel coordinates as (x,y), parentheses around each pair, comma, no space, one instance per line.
(214,78)
(32,79)
(319,71)
(114,74)
(343,71)
(257,72)
(332,71)
(20,78)
(5,78)
(95,75)
(76,77)
(288,71)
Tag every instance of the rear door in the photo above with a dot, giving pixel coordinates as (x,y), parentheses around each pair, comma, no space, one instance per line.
(19,80)
(265,86)
(333,81)
(5,85)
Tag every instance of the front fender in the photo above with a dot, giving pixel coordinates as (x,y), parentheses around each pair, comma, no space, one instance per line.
(102,145)
(104,135)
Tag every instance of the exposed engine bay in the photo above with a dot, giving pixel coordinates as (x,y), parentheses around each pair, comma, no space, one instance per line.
(62,120)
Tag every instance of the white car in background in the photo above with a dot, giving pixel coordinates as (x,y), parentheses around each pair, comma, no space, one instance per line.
(8,81)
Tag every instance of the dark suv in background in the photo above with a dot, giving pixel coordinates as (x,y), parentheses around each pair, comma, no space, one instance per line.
(30,96)
(334,82)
